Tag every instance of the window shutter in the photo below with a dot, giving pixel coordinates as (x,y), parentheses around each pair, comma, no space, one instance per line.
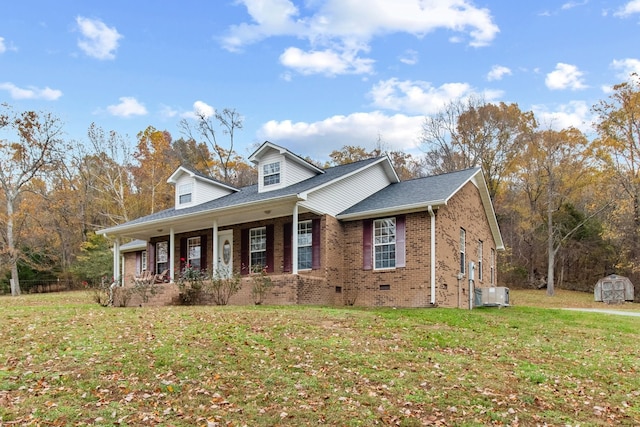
(400,241)
(315,244)
(183,252)
(367,244)
(203,253)
(244,251)
(138,262)
(287,231)
(270,245)
(151,257)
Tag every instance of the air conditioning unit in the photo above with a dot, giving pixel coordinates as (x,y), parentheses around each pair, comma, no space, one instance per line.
(497,296)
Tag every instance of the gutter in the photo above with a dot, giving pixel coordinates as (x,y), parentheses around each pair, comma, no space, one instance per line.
(414,207)
(433,255)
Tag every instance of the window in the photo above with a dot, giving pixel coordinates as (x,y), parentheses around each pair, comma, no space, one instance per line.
(384,243)
(463,236)
(271,174)
(492,266)
(184,193)
(193,252)
(162,256)
(305,249)
(143,261)
(257,248)
(479,260)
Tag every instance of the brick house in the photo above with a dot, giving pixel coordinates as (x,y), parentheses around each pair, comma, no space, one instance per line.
(363,236)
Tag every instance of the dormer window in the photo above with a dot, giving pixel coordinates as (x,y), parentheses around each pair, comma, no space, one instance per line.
(184,193)
(271,174)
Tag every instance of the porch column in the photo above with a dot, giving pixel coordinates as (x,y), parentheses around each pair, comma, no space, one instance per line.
(214,248)
(116,260)
(172,252)
(294,243)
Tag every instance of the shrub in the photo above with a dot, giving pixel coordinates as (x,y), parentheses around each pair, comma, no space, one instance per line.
(196,287)
(261,283)
(223,285)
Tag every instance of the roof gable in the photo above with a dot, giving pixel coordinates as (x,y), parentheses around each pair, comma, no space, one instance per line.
(418,194)
(193,188)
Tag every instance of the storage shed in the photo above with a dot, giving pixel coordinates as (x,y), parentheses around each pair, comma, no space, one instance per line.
(614,289)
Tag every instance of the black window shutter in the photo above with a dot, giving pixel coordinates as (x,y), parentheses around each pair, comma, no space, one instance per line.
(367,244)
(151,257)
(270,245)
(203,252)
(400,241)
(183,252)
(244,251)
(315,244)
(287,232)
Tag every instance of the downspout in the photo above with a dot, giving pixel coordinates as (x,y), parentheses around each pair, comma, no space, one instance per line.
(433,255)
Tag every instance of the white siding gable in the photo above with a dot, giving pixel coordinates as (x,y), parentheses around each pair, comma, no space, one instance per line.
(338,196)
(290,171)
(201,191)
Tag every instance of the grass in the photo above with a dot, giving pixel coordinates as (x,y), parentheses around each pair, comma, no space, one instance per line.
(67,361)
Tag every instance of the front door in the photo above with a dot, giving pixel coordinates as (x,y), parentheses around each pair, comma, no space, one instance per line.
(225,253)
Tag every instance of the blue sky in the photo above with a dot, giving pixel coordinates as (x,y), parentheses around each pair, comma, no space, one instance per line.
(311,75)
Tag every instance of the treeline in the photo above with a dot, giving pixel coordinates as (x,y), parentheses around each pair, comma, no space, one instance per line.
(568,205)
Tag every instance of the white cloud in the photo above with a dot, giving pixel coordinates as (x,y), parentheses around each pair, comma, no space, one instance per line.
(565,76)
(574,114)
(31,92)
(127,107)
(318,139)
(344,28)
(420,97)
(98,40)
(326,62)
(498,72)
(3,48)
(409,57)
(572,4)
(201,108)
(626,66)
(628,9)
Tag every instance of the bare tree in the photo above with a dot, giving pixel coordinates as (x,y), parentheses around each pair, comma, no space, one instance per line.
(229,121)
(473,133)
(36,138)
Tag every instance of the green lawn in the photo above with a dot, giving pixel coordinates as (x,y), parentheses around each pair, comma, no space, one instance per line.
(67,361)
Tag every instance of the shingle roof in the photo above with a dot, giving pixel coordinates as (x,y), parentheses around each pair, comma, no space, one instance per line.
(250,194)
(436,189)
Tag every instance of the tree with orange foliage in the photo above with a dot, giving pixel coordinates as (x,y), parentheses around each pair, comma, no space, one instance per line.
(34,148)
(156,162)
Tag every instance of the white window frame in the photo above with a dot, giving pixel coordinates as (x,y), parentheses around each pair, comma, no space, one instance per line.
(162,256)
(257,246)
(305,244)
(480,249)
(143,261)
(194,251)
(185,193)
(384,243)
(463,244)
(271,174)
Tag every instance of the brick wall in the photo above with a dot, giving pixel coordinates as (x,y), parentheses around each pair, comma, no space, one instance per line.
(463,210)
(399,287)
(341,279)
